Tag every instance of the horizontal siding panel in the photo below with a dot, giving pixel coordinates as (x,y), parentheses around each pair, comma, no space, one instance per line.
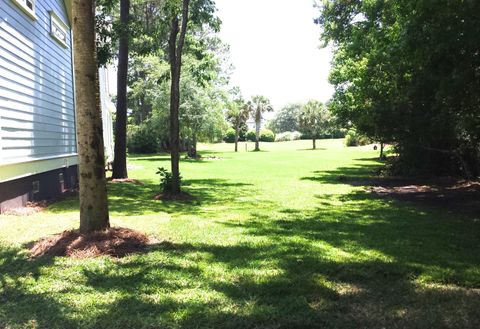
(10,134)
(37,115)
(19,108)
(24,49)
(35,118)
(38,32)
(34,102)
(34,126)
(34,143)
(11,71)
(42,79)
(33,92)
(32,67)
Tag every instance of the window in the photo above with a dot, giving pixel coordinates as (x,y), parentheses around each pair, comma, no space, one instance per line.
(58,29)
(27,6)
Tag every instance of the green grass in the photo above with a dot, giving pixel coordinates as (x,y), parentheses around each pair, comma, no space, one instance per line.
(275,239)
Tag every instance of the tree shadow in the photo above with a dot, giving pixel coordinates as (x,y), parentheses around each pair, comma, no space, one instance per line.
(132,199)
(22,306)
(313,149)
(352,261)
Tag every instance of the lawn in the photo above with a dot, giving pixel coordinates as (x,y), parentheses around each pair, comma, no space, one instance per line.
(283,238)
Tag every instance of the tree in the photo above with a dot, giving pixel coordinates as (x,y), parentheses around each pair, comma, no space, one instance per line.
(402,72)
(237,113)
(313,119)
(175,49)
(200,113)
(259,105)
(93,186)
(120,157)
(286,119)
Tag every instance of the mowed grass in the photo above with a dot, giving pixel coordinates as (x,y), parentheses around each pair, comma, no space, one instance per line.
(283,238)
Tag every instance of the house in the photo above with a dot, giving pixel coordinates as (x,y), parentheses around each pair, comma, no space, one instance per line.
(251,124)
(38,152)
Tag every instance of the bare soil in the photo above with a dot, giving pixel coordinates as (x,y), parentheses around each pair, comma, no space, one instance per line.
(459,196)
(114,242)
(126,180)
(174,197)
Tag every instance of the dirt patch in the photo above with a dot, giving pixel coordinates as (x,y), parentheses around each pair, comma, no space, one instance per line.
(33,207)
(459,196)
(202,158)
(114,242)
(30,209)
(126,180)
(174,197)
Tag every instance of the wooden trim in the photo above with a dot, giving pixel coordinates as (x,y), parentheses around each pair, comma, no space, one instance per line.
(12,171)
(29,12)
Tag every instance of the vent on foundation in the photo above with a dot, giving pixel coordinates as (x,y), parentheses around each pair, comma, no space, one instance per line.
(36,187)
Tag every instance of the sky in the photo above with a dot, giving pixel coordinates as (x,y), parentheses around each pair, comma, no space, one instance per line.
(274,47)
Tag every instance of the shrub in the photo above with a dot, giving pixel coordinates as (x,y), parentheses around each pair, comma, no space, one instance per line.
(165,180)
(288,136)
(267,135)
(142,139)
(354,139)
(251,136)
(229,136)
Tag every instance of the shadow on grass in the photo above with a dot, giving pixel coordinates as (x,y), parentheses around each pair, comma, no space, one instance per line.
(363,264)
(313,149)
(353,261)
(130,199)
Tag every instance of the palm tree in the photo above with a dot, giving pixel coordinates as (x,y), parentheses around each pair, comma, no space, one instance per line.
(93,185)
(237,113)
(314,119)
(259,105)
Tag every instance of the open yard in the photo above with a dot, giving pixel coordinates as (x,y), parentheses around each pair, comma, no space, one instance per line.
(283,238)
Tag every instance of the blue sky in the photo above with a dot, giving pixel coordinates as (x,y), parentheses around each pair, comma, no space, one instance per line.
(275,49)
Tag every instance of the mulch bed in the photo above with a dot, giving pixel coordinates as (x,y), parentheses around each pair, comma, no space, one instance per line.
(30,209)
(459,196)
(174,197)
(125,180)
(201,158)
(114,242)
(33,207)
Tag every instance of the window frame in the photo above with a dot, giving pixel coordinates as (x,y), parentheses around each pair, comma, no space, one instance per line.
(57,24)
(30,12)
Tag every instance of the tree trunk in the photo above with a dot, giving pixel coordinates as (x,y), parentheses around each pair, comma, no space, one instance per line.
(120,160)
(93,185)
(194,146)
(314,143)
(382,146)
(237,133)
(175,48)
(258,120)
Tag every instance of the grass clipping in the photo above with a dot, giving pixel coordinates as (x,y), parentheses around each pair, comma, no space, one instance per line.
(114,242)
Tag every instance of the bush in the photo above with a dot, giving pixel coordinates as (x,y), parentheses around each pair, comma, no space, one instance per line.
(288,136)
(229,136)
(267,135)
(142,139)
(354,139)
(166,180)
(250,136)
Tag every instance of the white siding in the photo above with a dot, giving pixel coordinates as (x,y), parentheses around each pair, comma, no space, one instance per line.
(37,118)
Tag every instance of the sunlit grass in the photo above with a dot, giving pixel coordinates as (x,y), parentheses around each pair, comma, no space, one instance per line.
(275,239)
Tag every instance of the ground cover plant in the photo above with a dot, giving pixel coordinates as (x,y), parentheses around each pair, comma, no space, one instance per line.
(284,238)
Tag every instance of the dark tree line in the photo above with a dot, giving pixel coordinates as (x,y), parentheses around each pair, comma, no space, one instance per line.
(407,72)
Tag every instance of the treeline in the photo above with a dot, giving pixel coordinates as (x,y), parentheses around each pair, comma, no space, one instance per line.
(407,72)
